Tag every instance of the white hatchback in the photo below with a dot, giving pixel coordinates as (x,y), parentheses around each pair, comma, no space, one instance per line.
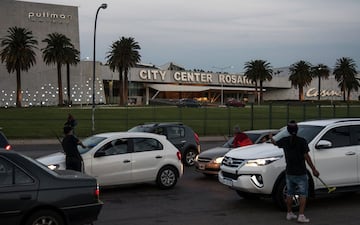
(125,158)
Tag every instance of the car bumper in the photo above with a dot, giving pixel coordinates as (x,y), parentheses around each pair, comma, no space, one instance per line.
(207,168)
(75,214)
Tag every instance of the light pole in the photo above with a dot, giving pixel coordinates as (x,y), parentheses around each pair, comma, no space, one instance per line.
(222,85)
(103,6)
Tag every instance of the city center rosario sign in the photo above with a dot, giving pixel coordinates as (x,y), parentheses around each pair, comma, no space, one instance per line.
(162,76)
(45,16)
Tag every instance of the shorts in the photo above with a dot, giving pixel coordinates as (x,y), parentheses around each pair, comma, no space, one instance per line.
(297,185)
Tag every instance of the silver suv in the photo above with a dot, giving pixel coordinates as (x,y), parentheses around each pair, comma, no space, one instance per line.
(259,170)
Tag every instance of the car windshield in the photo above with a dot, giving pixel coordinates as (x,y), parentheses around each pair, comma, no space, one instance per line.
(90,142)
(305,131)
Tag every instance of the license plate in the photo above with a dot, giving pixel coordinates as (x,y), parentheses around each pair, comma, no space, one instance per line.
(227,182)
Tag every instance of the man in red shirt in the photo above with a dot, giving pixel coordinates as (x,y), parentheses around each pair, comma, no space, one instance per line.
(240,139)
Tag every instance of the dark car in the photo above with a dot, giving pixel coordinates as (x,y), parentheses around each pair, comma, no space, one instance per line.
(4,143)
(180,135)
(208,162)
(188,102)
(234,103)
(32,194)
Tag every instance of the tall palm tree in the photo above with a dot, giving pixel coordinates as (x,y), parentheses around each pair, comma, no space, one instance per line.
(123,55)
(300,76)
(72,58)
(345,73)
(57,52)
(258,70)
(320,71)
(18,54)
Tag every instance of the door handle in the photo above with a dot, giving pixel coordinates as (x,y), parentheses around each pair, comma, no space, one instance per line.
(350,153)
(126,161)
(158,157)
(25,197)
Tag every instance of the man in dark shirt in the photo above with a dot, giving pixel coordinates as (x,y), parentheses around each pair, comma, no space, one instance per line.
(69,144)
(296,152)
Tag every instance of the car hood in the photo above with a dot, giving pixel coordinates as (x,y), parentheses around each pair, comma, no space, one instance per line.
(263,150)
(55,158)
(214,152)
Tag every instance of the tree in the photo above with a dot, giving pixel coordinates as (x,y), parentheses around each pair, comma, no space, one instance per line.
(123,55)
(18,54)
(320,71)
(300,76)
(57,52)
(72,58)
(258,70)
(345,73)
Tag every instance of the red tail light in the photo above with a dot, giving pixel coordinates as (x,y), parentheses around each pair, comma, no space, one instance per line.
(97,192)
(178,154)
(8,147)
(197,138)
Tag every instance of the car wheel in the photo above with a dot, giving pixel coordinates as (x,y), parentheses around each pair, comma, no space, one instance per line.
(189,158)
(247,195)
(45,217)
(279,196)
(167,177)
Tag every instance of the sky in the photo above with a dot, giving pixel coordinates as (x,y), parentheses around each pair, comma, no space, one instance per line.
(222,35)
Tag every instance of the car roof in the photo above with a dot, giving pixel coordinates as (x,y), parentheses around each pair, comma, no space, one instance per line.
(326,122)
(153,124)
(261,131)
(128,134)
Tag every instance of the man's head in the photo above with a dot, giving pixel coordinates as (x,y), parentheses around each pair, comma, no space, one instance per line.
(292,127)
(237,129)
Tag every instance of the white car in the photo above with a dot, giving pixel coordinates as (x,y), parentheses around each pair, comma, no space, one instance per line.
(259,170)
(124,158)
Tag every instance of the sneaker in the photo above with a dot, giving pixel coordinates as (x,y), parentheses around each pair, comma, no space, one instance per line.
(303,219)
(290,216)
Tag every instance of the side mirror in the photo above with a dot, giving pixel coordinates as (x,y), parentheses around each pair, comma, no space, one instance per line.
(99,154)
(323,144)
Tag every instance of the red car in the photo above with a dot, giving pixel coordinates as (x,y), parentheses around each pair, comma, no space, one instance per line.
(234,103)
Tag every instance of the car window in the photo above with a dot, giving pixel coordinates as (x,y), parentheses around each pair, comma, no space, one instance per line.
(146,144)
(339,136)
(11,174)
(175,132)
(115,147)
(356,134)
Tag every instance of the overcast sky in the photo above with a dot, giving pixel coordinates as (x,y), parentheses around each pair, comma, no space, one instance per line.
(215,34)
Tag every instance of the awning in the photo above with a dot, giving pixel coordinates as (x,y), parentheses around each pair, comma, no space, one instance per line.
(194,88)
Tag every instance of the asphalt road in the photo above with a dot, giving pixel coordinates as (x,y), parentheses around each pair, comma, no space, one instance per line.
(199,200)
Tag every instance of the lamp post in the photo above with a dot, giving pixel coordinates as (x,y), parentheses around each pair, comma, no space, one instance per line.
(103,6)
(222,85)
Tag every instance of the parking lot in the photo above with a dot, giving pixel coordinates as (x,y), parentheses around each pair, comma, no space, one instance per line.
(201,200)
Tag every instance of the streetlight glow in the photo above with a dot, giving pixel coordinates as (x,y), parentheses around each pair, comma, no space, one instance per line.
(103,6)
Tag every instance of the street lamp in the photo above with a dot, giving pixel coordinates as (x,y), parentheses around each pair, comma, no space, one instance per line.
(222,85)
(103,6)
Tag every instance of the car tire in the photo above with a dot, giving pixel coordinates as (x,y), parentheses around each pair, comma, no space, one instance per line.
(45,217)
(189,157)
(167,177)
(279,196)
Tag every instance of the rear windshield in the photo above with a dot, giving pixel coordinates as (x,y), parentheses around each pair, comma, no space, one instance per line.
(146,129)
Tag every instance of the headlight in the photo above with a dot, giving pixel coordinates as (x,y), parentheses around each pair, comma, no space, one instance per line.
(53,166)
(262,162)
(218,160)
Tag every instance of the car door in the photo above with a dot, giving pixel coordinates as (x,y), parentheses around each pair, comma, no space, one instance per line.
(111,163)
(337,164)
(147,159)
(18,190)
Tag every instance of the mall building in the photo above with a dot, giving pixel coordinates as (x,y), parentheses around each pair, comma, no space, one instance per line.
(146,82)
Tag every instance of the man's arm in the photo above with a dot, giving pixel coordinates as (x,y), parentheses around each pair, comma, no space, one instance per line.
(310,163)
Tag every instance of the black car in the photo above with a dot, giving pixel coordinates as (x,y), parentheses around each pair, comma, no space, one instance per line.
(4,143)
(188,102)
(31,193)
(180,135)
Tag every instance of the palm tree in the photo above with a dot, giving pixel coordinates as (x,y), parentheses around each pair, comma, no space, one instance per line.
(18,54)
(258,70)
(320,71)
(123,55)
(72,58)
(300,76)
(345,73)
(57,52)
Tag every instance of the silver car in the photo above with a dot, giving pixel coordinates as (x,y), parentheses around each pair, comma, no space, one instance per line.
(208,162)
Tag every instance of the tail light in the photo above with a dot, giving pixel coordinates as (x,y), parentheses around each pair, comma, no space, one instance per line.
(8,147)
(197,138)
(178,154)
(97,192)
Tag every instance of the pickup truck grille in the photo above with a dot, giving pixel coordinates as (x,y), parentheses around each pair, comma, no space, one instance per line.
(232,162)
